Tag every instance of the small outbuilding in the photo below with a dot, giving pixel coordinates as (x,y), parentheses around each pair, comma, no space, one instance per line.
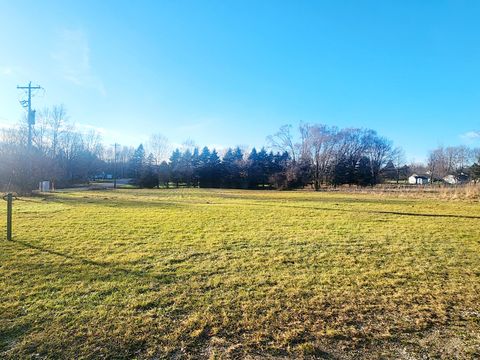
(417,179)
(44,186)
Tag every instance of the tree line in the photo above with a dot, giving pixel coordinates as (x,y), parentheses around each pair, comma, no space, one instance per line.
(322,156)
(312,155)
(457,161)
(60,152)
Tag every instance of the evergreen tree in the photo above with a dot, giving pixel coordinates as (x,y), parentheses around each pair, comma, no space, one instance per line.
(150,162)
(164,173)
(195,167)
(175,166)
(475,172)
(363,174)
(264,163)
(278,170)
(253,169)
(345,171)
(341,175)
(186,168)
(204,168)
(215,167)
(390,172)
(137,162)
(232,168)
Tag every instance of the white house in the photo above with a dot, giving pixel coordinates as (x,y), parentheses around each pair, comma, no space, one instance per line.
(416,179)
(450,179)
(454,180)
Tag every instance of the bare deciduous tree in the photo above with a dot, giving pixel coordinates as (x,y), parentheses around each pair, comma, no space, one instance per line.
(283,141)
(379,151)
(159,146)
(398,160)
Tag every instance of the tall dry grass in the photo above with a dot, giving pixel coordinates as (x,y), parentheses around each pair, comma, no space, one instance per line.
(462,192)
(443,191)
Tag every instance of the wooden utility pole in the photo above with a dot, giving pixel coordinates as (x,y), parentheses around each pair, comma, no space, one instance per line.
(30,113)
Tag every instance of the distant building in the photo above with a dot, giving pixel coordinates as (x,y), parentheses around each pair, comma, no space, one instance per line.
(44,186)
(456,179)
(417,179)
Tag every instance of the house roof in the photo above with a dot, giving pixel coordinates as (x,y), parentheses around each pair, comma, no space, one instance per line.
(425,176)
(461,176)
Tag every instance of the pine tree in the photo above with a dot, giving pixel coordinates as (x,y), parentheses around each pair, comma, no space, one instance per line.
(264,167)
(215,167)
(185,167)
(253,169)
(150,162)
(475,172)
(175,166)
(232,168)
(229,168)
(363,173)
(195,167)
(204,168)
(164,174)
(137,162)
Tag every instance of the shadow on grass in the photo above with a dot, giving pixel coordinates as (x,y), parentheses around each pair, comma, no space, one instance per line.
(106,201)
(164,278)
(381,212)
(9,334)
(399,213)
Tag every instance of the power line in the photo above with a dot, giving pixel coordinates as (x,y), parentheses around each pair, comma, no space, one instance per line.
(28,105)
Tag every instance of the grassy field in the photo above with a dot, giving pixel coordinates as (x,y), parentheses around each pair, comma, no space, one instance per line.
(235,274)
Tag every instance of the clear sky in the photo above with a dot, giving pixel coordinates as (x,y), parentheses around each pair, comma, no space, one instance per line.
(226,73)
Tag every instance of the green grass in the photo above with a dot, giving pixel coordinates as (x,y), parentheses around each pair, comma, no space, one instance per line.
(230,274)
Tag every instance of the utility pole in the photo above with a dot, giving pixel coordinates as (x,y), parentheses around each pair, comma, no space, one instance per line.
(30,113)
(115,165)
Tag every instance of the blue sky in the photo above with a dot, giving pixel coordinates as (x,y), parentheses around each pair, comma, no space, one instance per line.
(228,73)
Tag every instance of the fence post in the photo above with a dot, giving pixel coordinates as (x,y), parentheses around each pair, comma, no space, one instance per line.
(9,199)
